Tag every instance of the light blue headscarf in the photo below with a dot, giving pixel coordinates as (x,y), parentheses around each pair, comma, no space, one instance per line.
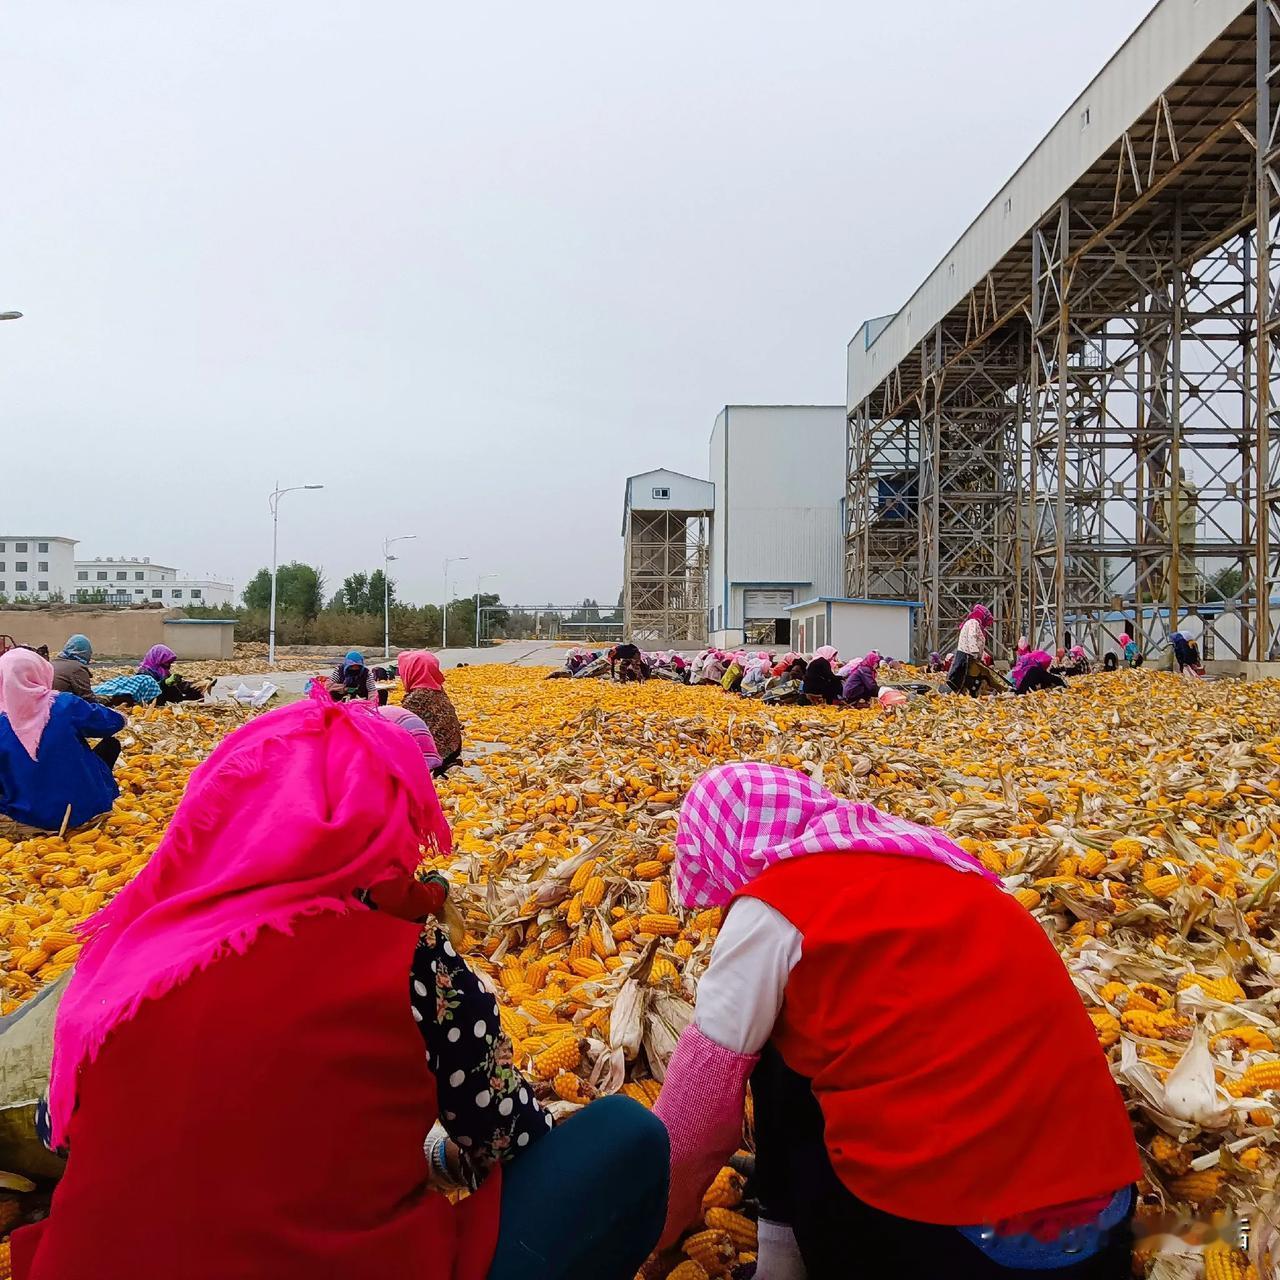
(355,657)
(79,648)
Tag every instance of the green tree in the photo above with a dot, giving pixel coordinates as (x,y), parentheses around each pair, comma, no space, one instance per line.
(377,584)
(1225,584)
(353,595)
(299,590)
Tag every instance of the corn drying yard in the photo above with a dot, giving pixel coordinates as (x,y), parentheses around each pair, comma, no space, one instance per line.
(1135,815)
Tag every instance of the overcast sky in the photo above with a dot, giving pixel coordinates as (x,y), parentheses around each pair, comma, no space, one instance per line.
(468,266)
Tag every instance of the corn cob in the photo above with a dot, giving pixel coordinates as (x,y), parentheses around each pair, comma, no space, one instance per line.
(662,970)
(593,892)
(513,1025)
(1197,1187)
(563,1056)
(708,918)
(1245,1039)
(1171,1156)
(572,1089)
(1165,1025)
(6,1267)
(583,875)
(573,914)
(1127,847)
(1258,1078)
(587,966)
(1227,990)
(725,1191)
(687,1270)
(659,903)
(1163,886)
(56,940)
(602,943)
(1027,898)
(741,1230)
(1156,997)
(1106,1025)
(1092,863)
(581,948)
(713,1250)
(660,926)
(1222,1262)
(649,870)
(682,949)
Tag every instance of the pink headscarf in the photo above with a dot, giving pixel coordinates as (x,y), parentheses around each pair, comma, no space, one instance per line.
(1024,645)
(830,652)
(419,670)
(739,819)
(289,817)
(416,728)
(26,696)
(981,615)
(872,660)
(1126,640)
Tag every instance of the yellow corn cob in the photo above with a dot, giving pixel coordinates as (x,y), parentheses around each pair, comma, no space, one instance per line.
(725,1191)
(637,1093)
(513,1025)
(1197,1187)
(662,970)
(581,948)
(1092,863)
(652,1088)
(1112,992)
(536,974)
(713,1250)
(1028,898)
(659,904)
(1258,1078)
(30,961)
(1247,1039)
(708,918)
(1165,1025)
(687,1270)
(649,870)
(1127,847)
(6,1267)
(583,874)
(554,937)
(602,946)
(662,926)
(573,915)
(1222,1262)
(683,949)
(564,1056)
(593,892)
(739,1229)
(1227,990)
(1163,886)
(623,930)
(586,966)
(572,1089)
(1171,1156)
(1156,997)
(1106,1025)
(512,976)
(68,955)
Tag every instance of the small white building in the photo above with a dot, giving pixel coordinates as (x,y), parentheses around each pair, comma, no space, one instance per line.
(137,580)
(36,566)
(777,530)
(855,627)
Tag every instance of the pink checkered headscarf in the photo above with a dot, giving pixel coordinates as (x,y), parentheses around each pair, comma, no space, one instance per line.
(739,819)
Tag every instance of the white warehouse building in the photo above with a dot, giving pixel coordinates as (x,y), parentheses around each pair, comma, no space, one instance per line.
(36,566)
(777,529)
(136,580)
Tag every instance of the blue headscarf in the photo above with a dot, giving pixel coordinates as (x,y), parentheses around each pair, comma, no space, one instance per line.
(79,648)
(355,657)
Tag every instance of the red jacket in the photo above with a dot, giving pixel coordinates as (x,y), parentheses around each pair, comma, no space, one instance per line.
(958,1073)
(264,1119)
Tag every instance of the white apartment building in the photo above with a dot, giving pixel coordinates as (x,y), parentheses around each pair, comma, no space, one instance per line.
(137,580)
(36,566)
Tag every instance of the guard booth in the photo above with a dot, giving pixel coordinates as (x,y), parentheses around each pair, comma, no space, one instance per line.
(665,523)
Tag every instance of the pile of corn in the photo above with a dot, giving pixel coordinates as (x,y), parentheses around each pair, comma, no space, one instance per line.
(1136,816)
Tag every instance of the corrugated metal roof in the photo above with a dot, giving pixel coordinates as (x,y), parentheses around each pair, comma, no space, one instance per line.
(1183,49)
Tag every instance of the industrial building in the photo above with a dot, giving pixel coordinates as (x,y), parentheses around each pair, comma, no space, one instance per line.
(1074,418)
(724,560)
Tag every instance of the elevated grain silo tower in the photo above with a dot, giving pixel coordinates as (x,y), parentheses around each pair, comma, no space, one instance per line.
(665,525)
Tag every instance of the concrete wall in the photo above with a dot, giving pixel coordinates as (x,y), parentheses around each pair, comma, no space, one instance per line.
(201,638)
(118,633)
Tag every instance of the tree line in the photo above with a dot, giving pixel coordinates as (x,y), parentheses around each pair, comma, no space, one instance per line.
(353,614)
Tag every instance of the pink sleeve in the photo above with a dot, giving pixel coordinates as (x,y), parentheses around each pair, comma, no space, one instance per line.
(701,1104)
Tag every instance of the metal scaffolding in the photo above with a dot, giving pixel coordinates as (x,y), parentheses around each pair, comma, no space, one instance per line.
(665,577)
(1084,443)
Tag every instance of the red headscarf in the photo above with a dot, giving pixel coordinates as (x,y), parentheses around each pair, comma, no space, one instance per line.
(419,670)
(289,817)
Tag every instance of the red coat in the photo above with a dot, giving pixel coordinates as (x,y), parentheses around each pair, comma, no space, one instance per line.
(958,1073)
(265,1120)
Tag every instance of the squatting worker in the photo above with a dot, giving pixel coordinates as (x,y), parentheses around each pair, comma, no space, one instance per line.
(49,774)
(930,1097)
(970,669)
(239,1076)
(424,695)
(71,672)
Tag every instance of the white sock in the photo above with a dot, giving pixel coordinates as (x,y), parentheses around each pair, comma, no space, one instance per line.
(778,1254)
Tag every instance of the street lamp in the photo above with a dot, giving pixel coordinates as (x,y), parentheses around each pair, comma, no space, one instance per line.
(387,558)
(276,495)
(444,613)
(482,578)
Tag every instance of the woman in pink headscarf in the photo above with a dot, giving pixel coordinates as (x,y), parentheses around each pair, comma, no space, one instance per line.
(861,688)
(868,968)
(49,774)
(1033,672)
(970,668)
(424,695)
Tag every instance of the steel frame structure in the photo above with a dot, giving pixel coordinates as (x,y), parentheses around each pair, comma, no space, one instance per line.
(665,577)
(1093,431)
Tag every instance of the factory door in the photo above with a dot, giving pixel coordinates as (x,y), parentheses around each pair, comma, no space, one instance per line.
(764,616)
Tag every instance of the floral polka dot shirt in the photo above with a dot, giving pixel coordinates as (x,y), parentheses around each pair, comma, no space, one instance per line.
(486,1105)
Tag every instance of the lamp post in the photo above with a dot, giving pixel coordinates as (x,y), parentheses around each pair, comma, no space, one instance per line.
(276,495)
(387,558)
(444,613)
(482,578)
